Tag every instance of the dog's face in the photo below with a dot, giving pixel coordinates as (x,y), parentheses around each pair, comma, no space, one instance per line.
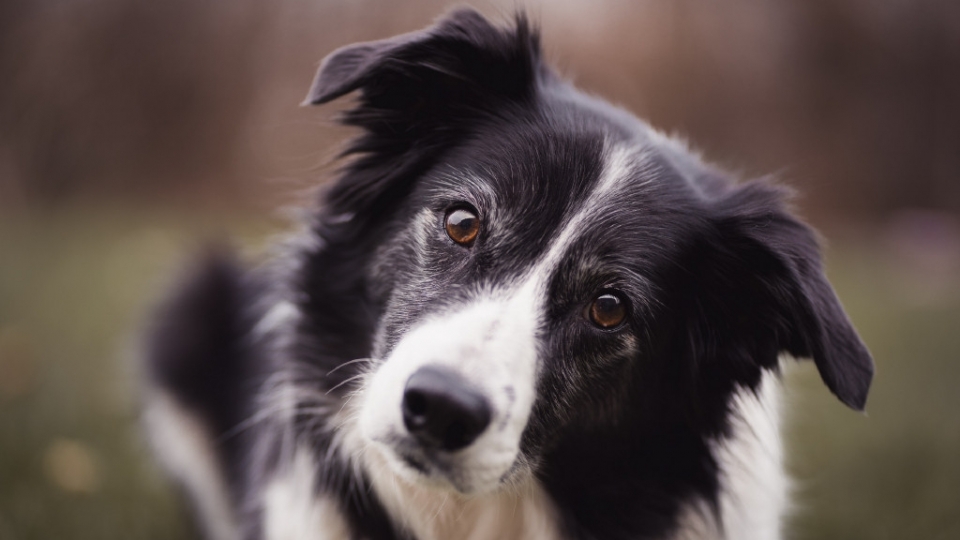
(542,266)
(510,278)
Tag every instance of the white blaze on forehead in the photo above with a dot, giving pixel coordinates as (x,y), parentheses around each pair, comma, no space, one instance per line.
(618,164)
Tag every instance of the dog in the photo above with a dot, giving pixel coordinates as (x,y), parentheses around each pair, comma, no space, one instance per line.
(518,312)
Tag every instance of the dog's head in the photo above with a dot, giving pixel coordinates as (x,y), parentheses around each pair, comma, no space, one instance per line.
(531,264)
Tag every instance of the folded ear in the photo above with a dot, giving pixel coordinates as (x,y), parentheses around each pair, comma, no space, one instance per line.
(358,65)
(463,46)
(346,68)
(421,92)
(770,264)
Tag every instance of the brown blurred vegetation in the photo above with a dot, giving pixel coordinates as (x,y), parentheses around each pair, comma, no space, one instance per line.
(128,129)
(855,102)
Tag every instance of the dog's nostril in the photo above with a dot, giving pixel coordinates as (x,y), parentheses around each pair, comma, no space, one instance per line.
(415,406)
(442,411)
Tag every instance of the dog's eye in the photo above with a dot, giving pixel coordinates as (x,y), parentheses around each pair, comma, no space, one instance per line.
(462,225)
(607,310)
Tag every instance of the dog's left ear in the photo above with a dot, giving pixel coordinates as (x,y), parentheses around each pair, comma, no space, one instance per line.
(769,262)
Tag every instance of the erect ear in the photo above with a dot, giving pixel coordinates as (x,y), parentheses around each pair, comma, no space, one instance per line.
(421,92)
(770,263)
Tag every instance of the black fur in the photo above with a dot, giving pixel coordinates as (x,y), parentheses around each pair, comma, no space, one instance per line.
(196,348)
(720,280)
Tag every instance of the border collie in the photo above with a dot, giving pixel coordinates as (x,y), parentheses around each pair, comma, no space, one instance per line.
(518,312)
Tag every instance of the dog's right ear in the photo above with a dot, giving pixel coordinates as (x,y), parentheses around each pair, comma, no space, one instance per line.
(348,68)
(463,46)
(418,94)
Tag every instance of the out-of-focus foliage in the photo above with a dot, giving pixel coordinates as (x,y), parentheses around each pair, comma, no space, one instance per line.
(128,130)
(855,101)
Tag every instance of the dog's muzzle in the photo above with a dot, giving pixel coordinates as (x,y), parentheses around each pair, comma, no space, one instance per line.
(449,404)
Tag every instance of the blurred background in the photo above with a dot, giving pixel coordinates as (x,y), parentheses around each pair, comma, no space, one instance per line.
(131,131)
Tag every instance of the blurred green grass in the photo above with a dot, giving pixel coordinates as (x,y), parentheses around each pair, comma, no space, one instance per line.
(74,285)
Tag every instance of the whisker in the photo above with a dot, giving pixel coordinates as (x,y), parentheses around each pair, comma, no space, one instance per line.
(345,381)
(347,364)
(443,503)
(248,423)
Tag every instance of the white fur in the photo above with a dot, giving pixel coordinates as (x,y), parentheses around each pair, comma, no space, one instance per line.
(292,510)
(280,315)
(521,511)
(184,447)
(754,487)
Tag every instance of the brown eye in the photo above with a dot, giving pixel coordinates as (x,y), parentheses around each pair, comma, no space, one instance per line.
(462,225)
(607,310)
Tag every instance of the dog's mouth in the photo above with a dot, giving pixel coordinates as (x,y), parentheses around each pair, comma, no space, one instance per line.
(415,463)
(410,458)
(465,472)
(419,465)
(409,466)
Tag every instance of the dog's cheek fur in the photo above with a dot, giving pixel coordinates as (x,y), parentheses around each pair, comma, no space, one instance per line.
(415,276)
(584,380)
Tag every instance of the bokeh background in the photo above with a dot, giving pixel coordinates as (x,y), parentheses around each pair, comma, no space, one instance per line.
(131,131)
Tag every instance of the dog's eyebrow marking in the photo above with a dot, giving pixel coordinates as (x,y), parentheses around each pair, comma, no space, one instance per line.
(620,161)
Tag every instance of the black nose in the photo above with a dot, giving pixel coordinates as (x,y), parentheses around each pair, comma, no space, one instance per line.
(442,411)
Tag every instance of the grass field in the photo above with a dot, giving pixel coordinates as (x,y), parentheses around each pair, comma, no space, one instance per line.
(74,284)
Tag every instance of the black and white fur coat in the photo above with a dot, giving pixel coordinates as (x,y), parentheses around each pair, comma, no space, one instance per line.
(518,312)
